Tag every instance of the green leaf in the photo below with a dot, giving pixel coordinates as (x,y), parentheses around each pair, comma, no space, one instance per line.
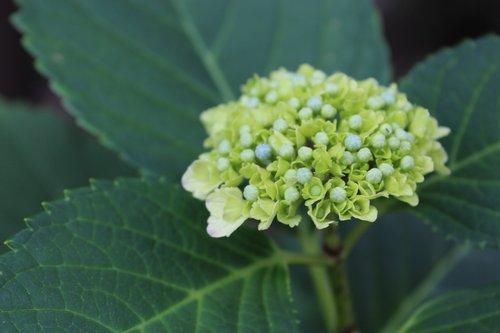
(388,264)
(460,88)
(138,73)
(133,256)
(459,312)
(41,154)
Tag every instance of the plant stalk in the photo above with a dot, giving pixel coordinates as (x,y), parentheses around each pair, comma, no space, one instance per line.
(338,275)
(320,279)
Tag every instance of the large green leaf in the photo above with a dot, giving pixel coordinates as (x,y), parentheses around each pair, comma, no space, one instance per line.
(133,256)
(388,264)
(138,73)
(459,312)
(460,87)
(41,154)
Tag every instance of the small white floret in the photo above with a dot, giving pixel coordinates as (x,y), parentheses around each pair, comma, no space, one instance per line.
(347,158)
(352,142)
(331,88)
(321,138)
(364,155)
(315,102)
(247,155)
(407,163)
(246,139)
(222,164)
(338,194)
(304,175)
(374,176)
(386,129)
(263,152)
(305,113)
(355,122)
(291,194)
(280,125)
(375,102)
(393,142)
(251,192)
(378,141)
(294,102)
(287,151)
(327,111)
(224,147)
(271,97)
(386,169)
(305,153)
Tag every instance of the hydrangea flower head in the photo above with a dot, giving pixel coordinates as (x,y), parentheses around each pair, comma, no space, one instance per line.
(305,141)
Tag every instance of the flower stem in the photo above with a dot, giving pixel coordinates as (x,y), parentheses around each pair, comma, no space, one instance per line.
(321,279)
(339,279)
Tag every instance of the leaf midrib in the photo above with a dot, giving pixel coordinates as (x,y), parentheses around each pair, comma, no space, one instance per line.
(198,294)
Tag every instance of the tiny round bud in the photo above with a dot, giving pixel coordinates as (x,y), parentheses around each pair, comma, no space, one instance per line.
(246,139)
(291,194)
(263,151)
(318,76)
(386,129)
(327,111)
(347,158)
(305,113)
(304,175)
(290,176)
(352,142)
(287,151)
(374,176)
(315,190)
(393,142)
(315,102)
(331,88)
(294,102)
(407,106)
(364,155)
(405,147)
(299,80)
(389,97)
(222,164)
(247,155)
(401,134)
(280,125)
(375,102)
(244,129)
(321,138)
(410,137)
(252,102)
(386,169)
(271,96)
(224,147)
(355,122)
(251,192)
(305,153)
(338,194)
(407,163)
(378,141)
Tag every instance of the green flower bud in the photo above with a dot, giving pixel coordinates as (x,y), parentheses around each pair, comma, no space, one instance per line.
(291,194)
(393,142)
(305,113)
(315,103)
(224,147)
(321,138)
(364,155)
(251,192)
(374,176)
(247,155)
(338,194)
(378,141)
(280,125)
(355,122)
(304,175)
(386,169)
(223,163)
(287,151)
(407,163)
(305,153)
(327,111)
(352,142)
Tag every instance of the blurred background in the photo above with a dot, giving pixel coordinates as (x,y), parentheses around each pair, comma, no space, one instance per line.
(413,29)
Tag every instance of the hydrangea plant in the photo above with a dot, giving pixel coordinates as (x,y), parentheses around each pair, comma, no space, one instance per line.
(330,173)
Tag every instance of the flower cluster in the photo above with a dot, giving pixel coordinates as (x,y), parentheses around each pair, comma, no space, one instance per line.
(328,145)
